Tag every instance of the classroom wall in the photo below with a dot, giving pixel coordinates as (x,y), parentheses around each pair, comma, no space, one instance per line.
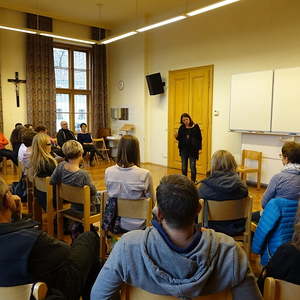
(244,37)
(13,59)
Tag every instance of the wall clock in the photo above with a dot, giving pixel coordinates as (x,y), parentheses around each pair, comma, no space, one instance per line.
(121,85)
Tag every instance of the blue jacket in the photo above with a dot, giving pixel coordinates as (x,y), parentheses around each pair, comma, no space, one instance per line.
(275,227)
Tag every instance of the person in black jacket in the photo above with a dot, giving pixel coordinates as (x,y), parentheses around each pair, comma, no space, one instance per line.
(64,134)
(223,183)
(285,263)
(85,139)
(29,255)
(189,143)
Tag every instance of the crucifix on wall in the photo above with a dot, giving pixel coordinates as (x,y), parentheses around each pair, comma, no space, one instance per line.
(17,81)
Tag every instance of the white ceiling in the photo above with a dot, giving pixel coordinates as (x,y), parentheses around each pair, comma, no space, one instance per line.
(110,14)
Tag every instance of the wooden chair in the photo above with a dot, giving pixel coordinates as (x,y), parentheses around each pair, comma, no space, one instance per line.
(275,289)
(102,148)
(231,210)
(129,208)
(43,185)
(78,195)
(134,293)
(3,165)
(23,292)
(104,132)
(244,170)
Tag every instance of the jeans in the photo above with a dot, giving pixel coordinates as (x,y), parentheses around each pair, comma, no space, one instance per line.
(184,166)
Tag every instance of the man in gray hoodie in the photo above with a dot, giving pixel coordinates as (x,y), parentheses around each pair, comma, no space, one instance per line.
(174,257)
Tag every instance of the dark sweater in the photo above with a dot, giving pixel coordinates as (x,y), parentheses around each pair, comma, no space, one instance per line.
(84,138)
(222,186)
(64,135)
(189,141)
(285,264)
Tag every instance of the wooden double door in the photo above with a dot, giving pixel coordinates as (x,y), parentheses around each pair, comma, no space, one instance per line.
(190,91)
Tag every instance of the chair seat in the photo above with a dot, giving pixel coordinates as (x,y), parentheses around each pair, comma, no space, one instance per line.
(76,215)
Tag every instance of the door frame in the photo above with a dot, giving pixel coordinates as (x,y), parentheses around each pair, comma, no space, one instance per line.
(210,102)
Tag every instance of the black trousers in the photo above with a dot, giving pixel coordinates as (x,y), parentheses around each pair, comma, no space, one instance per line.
(184,166)
(92,149)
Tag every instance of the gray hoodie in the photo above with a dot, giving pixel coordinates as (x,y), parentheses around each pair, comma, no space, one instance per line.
(143,259)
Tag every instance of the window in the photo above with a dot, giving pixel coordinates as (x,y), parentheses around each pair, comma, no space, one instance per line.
(72,82)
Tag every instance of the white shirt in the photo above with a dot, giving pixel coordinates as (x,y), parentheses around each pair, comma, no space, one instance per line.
(21,152)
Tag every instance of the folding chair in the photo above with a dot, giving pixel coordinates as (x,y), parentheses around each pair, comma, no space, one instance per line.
(102,148)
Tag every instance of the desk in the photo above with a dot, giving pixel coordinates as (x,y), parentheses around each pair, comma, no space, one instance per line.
(113,142)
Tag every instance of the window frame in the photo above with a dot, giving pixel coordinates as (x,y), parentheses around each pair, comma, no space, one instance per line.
(71,91)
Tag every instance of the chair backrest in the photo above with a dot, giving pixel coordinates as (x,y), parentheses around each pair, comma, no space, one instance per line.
(74,194)
(252,155)
(42,184)
(134,293)
(104,132)
(39,291)
(228,210)
(275,289)
(138,208)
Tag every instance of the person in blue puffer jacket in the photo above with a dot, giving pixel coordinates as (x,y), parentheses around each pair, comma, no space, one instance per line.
(285,184)
(275,227)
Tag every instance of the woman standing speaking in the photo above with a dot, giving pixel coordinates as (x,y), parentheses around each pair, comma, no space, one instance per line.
(189,143)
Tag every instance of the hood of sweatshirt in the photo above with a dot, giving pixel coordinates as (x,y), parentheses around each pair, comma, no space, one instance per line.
(223,181)
(214,264)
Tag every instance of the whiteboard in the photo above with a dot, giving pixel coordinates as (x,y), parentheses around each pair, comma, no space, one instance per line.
(286,101)
(251,101)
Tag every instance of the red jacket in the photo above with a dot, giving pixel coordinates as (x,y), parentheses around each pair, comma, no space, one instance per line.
(3,141)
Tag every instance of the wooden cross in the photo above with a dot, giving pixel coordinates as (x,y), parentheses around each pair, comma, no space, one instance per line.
(16,81)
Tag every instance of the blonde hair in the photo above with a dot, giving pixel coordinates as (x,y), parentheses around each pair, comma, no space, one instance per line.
(39,154)
(3,190)
(223,160)
(72,149)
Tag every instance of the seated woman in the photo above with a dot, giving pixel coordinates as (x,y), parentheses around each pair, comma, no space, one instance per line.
(223,183)
(285,263)
(5,152)
(85,138)
(127,180)
(42,162)
(69,172)
(285,184)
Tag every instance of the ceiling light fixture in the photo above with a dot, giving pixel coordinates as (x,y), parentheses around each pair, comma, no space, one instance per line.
(162,23)
(210,7)
(18,29)
(119,37)
(67,38)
